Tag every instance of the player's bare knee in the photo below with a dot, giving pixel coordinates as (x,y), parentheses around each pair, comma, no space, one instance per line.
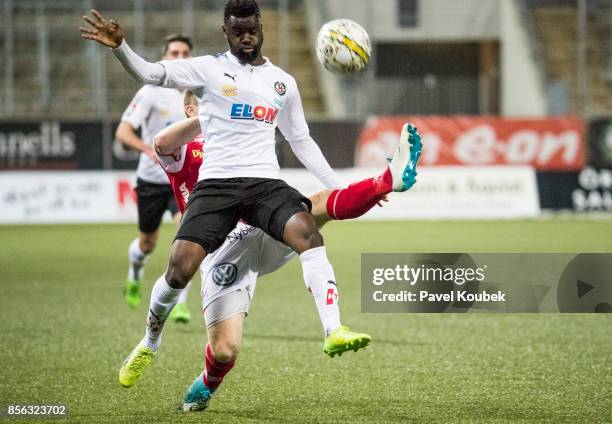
(176,279)
(308,235)
(301,232)
(148,243)
(313,239)
(185,259)
(178,274)
(225,351)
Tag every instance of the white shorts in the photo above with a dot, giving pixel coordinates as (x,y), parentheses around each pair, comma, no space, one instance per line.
(226,306)
(247,253)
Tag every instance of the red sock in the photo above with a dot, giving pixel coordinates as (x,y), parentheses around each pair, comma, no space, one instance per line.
(215,371)
(359,197)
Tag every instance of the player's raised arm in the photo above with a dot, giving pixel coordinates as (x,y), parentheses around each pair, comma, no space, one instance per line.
(292,124)
(110,34)
(180,73)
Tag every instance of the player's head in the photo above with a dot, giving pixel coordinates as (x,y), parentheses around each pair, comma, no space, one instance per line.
(242,29)
(177,46)
(190,102)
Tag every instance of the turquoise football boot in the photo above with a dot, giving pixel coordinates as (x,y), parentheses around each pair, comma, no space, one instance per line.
(197,396)
(405,158)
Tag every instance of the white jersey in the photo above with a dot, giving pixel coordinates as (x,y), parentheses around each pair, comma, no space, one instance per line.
(152,109)
(240,107)
(246,253)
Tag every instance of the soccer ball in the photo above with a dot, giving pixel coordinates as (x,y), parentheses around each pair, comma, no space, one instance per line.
(343,46)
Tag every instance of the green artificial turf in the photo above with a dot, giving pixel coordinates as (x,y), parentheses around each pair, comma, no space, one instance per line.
(66,332)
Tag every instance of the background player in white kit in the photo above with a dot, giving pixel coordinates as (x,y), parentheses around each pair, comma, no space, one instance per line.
(152,109)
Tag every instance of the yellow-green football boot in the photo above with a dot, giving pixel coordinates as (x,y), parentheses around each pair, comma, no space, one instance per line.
(134,365)
(342,339)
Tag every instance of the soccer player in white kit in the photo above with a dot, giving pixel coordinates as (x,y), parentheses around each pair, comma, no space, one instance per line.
(152,109)
(229,274)
(242,98)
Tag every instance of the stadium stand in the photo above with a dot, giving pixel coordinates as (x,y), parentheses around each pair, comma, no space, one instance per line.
(79,81)
(556,28)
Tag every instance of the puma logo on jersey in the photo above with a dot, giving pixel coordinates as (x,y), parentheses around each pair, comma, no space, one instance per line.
(233,78)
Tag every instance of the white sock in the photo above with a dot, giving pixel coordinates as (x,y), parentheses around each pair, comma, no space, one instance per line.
(320,280)
(137,260)
(184,293)
(163,299)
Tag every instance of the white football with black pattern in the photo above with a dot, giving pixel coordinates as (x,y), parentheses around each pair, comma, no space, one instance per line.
(343,46)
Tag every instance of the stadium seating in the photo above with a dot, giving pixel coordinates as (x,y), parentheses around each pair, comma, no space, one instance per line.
(556,27)
(83,83)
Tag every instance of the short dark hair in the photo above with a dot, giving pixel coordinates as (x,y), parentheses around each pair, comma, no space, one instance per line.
(177,37)
(240,9)
(190,98)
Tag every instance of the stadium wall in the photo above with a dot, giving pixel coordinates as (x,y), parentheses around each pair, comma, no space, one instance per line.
(583,190)
(108,197)
(589,190)
(567,164)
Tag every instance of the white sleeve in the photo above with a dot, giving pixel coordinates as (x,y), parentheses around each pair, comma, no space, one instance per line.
(137,67)
(139,108)
(292,123)
(172,164)
(186,73)
(180,73)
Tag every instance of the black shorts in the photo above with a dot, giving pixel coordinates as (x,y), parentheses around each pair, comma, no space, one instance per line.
(153,200)
(216,205)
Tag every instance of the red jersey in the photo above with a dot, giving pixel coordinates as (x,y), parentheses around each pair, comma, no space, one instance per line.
(183,170)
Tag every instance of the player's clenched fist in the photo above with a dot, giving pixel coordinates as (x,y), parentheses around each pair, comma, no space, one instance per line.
(105,32)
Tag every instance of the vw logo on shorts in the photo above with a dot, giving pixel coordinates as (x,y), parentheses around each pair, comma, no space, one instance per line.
(224,274)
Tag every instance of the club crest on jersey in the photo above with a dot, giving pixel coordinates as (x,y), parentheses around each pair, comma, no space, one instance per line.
(257,113)
(280,88)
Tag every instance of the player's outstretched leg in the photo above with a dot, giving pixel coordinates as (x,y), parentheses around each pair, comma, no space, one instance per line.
(180,313)
(163,299)
(359,197)
(405,158)
(303,237)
